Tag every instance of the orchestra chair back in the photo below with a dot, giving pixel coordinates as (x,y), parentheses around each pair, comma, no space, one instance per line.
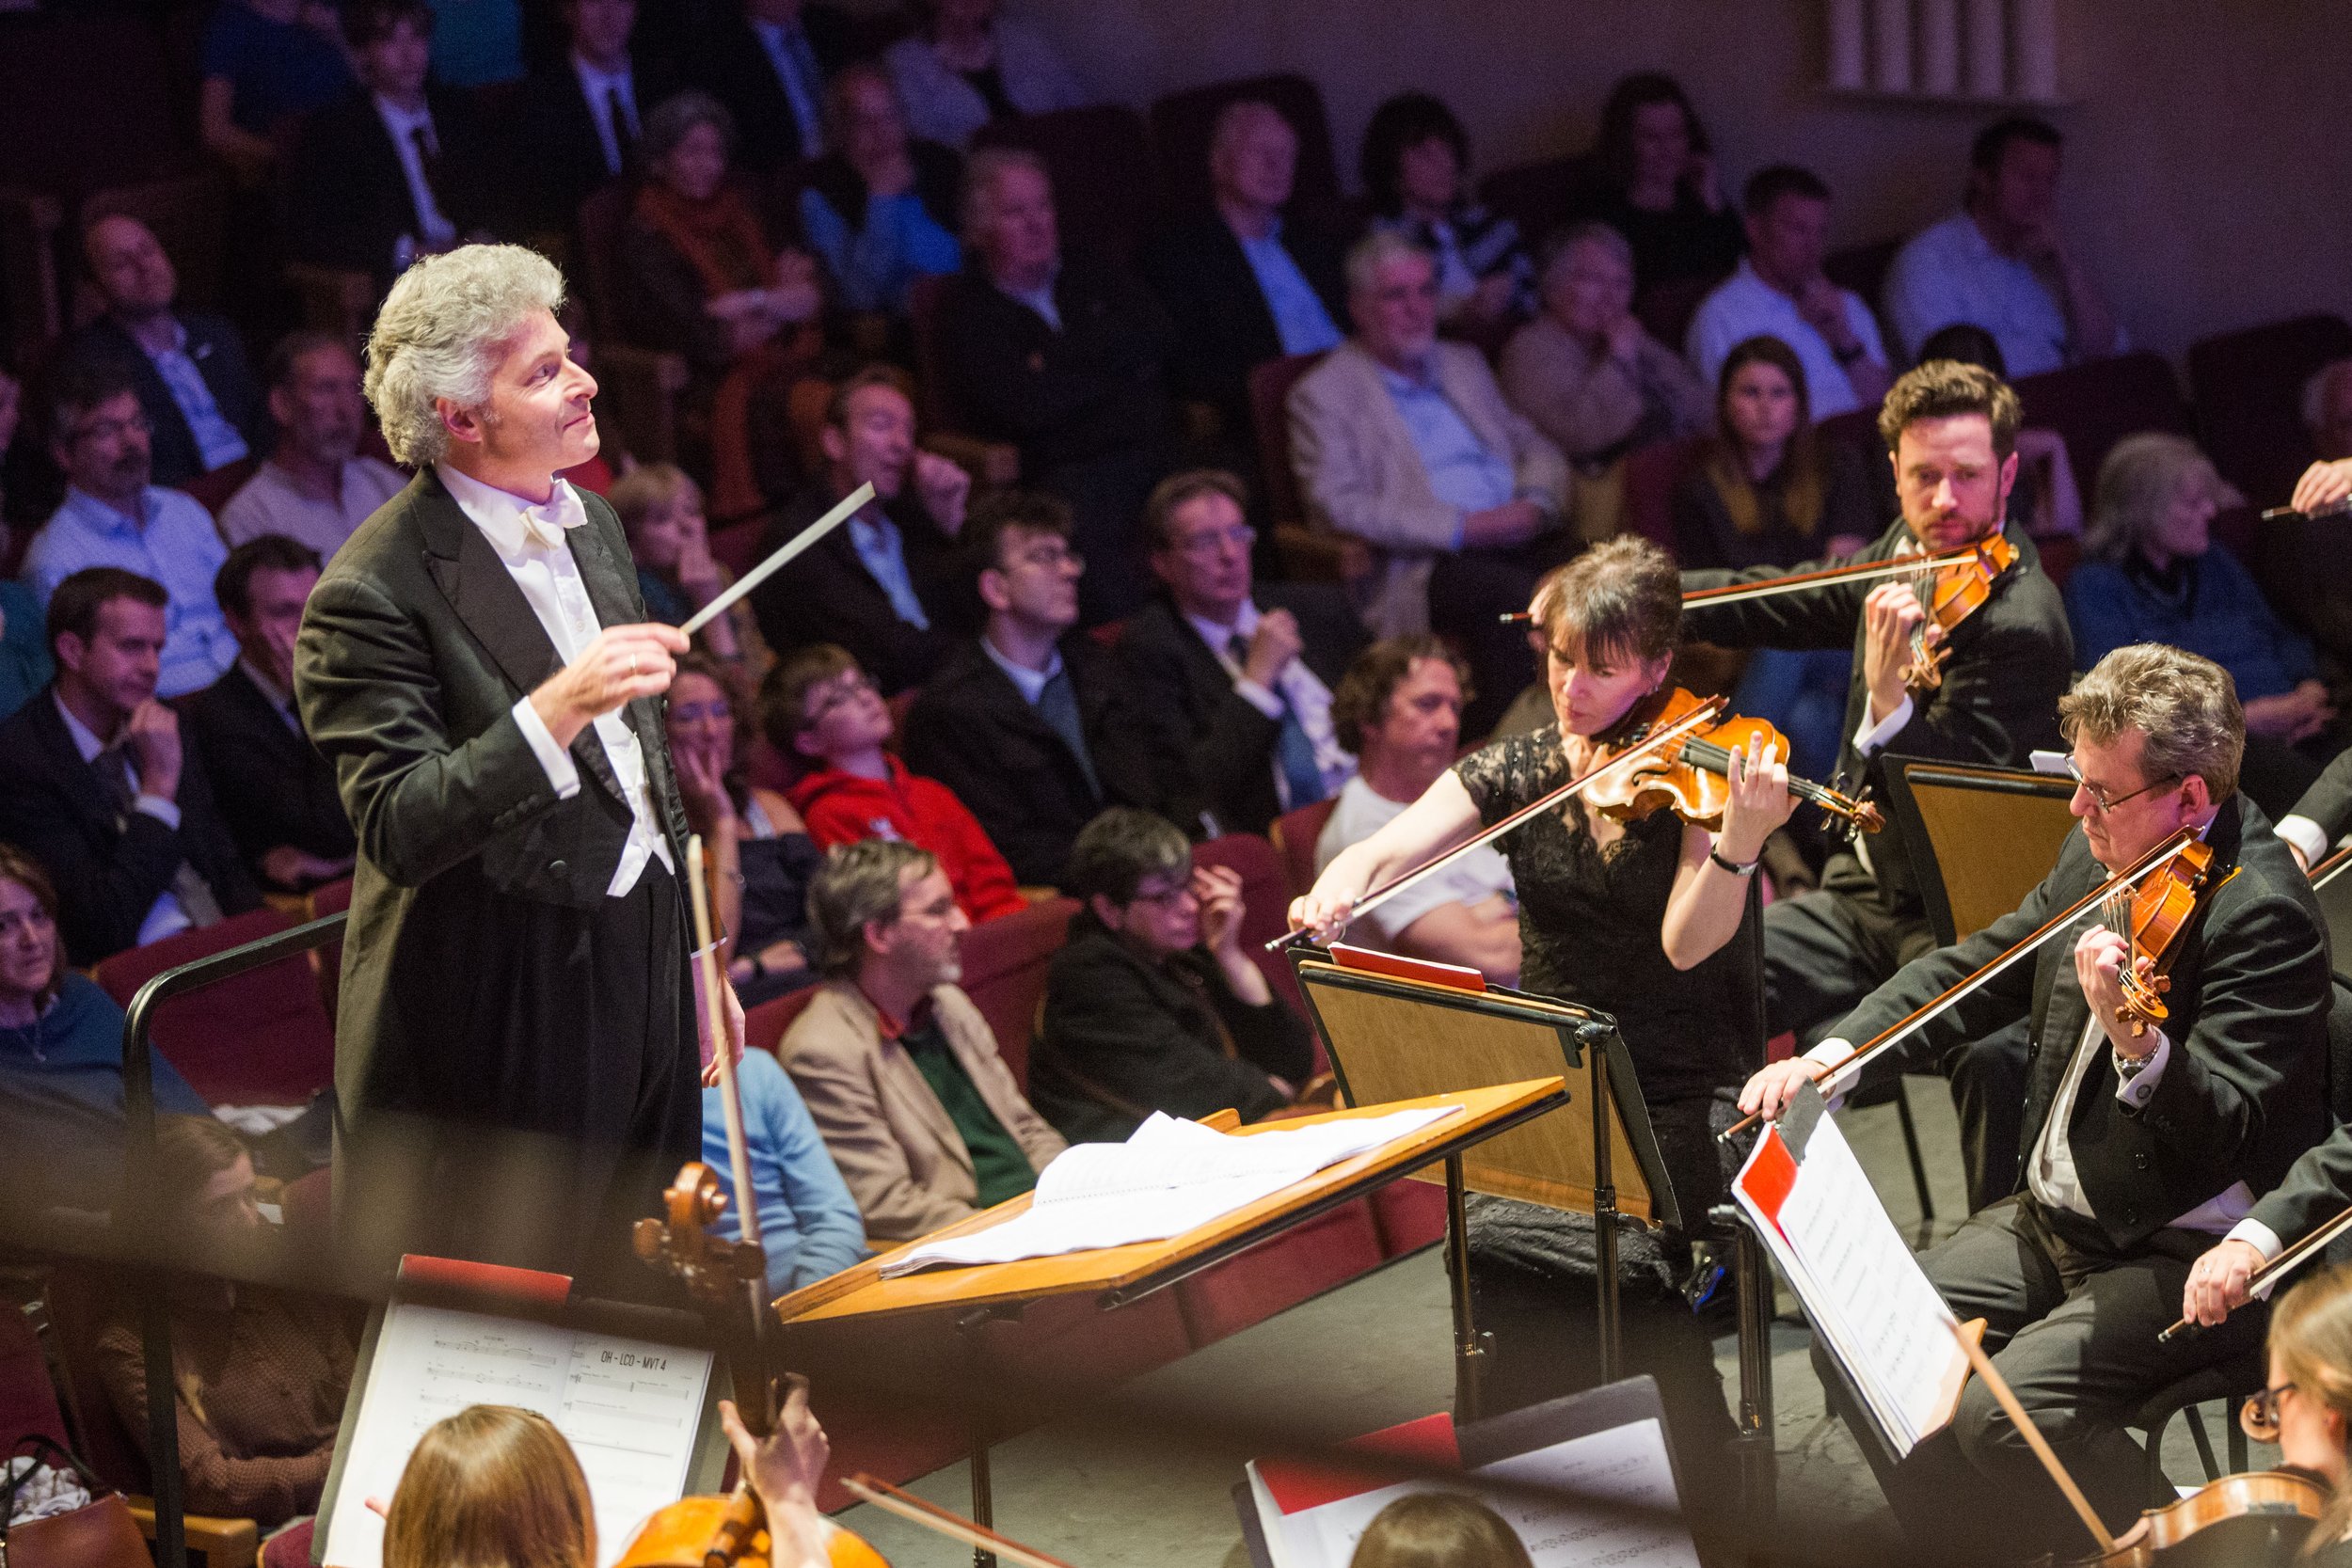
(1005,961)
(1293,836)
(263,1037)
(1265,908)
(1981,837)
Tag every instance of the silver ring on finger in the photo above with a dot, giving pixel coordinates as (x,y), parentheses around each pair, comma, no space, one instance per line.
(633,667)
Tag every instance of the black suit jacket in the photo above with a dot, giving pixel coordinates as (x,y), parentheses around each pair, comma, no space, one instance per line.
(2329,801)
(2244,1092)
(556,157)
(972,730)
(734,66)
(109,868)
(1208,750)
(827,594)
(2009,663)
(415,647)
(273,786)
(219,351)
(1223,326)
(347,201)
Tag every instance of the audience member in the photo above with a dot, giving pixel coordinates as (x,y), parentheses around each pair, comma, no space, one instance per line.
(1438,1530)
(190,367)
(2046,500)
(114,516)
(1064,357)
(2298,559)
(1658,186)
(1780,291)
(396,169)
(965,66)
(880,209)
(1405,442)
(258,1376)
(277,795)
(97,784)
(661,509)
(316,487)
(265,64)
(1017,722)
(808,1223)
(24,667)
(2151,573)
(880,584)
(819,706)
(760,854)
(1247,283)
(1416,167)
(1399,708)
(1227,684)
(1767,491)
(897,1066)
(697,274)
(1155,1005)
(767,64)
(1998,263)
(1588,375)
(2327,410)
(580,120)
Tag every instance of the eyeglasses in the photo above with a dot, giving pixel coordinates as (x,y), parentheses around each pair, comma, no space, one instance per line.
(1202,546)
(840,689)
(138,424)
(2099,796)
(1049,557)
(1163,898)
(2260,1413)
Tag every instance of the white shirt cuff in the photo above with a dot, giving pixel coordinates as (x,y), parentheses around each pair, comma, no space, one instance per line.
(1260,698)
(2305,835)
(2140,1087)
(1868,740)
(2258,1236)
(1830,1052)
(562,774)
(165,812)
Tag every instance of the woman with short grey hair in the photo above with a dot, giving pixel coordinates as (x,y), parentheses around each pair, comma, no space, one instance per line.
(442,333)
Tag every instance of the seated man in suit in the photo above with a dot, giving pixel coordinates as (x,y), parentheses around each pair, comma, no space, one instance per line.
(878,584)
(1066,358)
(768,63)
(398,169)
(1156,1005)
(98,784)
(580,119)
(1229,685)
(1407,443)
(276,794)
(2144,1139)
(189,366)
(317,486)
(896,1064)
(1246,284)
(1399,708)
(1016,722)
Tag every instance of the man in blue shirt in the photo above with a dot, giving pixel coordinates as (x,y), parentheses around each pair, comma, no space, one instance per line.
(808,1221)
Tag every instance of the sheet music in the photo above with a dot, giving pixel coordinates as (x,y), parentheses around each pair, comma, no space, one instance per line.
(630,1408)
(1170,1176)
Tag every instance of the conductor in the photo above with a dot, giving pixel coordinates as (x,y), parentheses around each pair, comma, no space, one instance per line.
(515,1041)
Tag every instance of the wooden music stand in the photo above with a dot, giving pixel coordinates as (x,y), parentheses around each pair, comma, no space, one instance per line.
(1121,1275)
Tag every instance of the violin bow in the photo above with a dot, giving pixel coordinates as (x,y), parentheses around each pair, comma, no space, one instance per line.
(1706,713)
(714,1005)
(906,1505)
(1861,571)
(1982,1366)
(1842,1077)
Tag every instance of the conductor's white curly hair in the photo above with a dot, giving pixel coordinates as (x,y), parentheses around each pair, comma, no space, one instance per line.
(442,333)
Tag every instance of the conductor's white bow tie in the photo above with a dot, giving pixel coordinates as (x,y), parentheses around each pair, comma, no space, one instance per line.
(544,524)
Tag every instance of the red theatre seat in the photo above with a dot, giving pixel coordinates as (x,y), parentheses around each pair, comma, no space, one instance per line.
(1300,1263)
(1293,836)
(28,1399)
(1411,1215)
(260,1038)
(1266,904)
(765,1026)
(1099,161)
(1651,474)
(1005,962)
(2247,388)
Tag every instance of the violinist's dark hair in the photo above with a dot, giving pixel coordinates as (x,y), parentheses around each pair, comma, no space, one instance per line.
(2185,705)
(1438,1530)
(1360,700)
(1621,600)
(1940,389)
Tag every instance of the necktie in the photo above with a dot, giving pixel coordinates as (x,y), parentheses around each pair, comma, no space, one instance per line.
(428,159)
(188,886)
(1057,705)
(1294,748)
(623,135)
(808,82)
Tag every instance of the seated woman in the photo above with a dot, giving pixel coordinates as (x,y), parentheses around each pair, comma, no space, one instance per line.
(661,514)
(967,65)
(880,209)
(1769,492)
(1590,376)
(1154,1005)
(2046,498)
(1658,185)
(1416,164)
(758,850)
(698,274)
(258,1374)
(2306,1403)
(2149,574)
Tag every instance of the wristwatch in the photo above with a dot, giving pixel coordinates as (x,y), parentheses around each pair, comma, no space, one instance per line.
(1733,867)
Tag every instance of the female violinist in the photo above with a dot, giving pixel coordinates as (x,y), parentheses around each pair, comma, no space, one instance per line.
(1651,920)
(2306,1403)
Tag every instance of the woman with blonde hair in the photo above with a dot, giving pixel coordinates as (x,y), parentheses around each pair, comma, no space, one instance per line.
(1438,1530)
(660,509)
(2306,1403)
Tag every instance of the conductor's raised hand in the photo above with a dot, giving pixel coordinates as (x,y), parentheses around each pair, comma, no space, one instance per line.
(1774,1089)
(623,664)
(2220,1282)
(1759,799)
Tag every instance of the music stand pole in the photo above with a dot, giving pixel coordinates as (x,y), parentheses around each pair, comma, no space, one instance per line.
(1469,1344)
(1604,1204)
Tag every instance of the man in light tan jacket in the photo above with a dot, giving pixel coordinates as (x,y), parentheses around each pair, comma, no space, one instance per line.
(897,1067)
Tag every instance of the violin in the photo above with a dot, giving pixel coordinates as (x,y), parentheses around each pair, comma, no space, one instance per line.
(2261,1516)
(1950,593)
(1692,780)
(2151,918)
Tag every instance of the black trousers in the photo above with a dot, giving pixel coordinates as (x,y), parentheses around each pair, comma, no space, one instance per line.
(1825,951)
(2071,1325)
(576,1099)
